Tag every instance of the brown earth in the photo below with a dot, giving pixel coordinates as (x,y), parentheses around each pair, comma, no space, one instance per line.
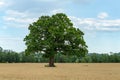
(63,71)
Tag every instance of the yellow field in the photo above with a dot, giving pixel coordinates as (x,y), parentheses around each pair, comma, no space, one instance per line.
(65,71)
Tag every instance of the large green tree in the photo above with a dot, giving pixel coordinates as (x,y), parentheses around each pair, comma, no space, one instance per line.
(54,34)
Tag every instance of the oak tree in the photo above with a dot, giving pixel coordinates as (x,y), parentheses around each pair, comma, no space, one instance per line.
(54,34)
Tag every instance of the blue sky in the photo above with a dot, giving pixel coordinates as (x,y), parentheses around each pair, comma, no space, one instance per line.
(98,19)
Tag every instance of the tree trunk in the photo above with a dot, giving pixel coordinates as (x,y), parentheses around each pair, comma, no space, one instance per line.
(51,62)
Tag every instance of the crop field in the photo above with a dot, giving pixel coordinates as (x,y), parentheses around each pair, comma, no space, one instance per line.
(62,71)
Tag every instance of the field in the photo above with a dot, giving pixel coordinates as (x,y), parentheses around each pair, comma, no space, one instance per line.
(63,71)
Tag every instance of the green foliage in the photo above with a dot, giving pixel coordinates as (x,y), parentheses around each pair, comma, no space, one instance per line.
(1,49)
(8,56)
(54,34)
(86,59)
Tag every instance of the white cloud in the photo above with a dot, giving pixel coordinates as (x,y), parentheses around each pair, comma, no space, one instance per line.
(96,24)
(23,19)
(16,13)
(18,19)
(57,11)
(102,15)
(2,3)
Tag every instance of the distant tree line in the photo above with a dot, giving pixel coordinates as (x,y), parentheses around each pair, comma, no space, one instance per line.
(9,56)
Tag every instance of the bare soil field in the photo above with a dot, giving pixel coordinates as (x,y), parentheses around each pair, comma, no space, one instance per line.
(63,71)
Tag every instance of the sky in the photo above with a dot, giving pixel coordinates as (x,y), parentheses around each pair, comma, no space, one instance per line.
(98,19)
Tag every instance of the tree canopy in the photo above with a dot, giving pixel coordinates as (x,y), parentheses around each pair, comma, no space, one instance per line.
(54,34)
